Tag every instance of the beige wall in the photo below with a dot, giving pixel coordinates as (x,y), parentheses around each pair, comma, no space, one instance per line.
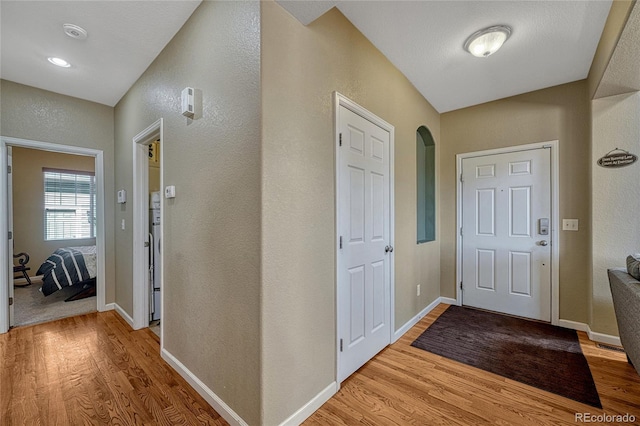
(28,196)
(616,20)
(39,115)
(154,170)
(559,113)
(301,67)
(154,173)
(211,317)
(615,199)
(154,179)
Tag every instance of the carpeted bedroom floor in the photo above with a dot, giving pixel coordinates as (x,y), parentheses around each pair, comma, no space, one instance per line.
(31,306)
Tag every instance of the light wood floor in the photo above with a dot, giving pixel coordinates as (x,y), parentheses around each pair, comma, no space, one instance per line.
(93,369)
(405,385)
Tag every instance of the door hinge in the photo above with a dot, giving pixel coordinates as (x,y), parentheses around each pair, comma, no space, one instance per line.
(340,139)
(461,232)
(340,345)
(10,235)
(461,178)
(10,301)
(461,285)
(9,169)
(341,241)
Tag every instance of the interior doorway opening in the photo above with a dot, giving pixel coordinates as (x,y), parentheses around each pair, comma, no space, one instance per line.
(147,228)
(53,210)
(6,221)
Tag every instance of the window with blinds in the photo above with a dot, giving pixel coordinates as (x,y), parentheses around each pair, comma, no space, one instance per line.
(69,204)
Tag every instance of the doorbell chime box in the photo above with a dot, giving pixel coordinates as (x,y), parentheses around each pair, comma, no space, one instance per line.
(188,102)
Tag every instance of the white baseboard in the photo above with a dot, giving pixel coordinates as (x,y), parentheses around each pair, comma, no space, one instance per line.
(125,316)
(310,407)
(448,301)
(580,326)
(108,307)
(596,337)
(214,400)
(604,338)
(413,321)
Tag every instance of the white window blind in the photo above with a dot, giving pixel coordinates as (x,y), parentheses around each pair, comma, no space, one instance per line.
(69,204)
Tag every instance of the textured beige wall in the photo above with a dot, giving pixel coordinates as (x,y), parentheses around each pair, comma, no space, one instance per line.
(211,318)
(618,15)
(28,196)
(559,113)
(39,115)
(301,67)
(615,199)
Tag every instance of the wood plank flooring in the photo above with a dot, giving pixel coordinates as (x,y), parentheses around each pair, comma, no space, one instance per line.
(404,385)
(93,369)
(90,370)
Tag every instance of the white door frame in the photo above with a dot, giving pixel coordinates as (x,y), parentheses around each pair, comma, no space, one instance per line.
(338,101)
(555,217)
(10,251)
(140,228)
(100,217)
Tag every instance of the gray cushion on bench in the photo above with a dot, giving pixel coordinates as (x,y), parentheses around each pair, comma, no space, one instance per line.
(625,290)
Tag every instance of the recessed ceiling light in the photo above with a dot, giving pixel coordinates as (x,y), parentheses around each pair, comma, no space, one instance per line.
(486,42)
(59,62)
(74,31)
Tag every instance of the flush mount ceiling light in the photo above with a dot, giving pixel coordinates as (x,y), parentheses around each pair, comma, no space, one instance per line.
(75,31)
(59,62)
(486,42)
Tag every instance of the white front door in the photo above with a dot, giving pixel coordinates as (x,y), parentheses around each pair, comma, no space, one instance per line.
(365,253)
(506,233)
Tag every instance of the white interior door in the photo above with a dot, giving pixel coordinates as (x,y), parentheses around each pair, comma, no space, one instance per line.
(365,255)
(10,226)
(506,233)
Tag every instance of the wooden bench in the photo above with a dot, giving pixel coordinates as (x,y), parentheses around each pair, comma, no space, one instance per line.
(22,268)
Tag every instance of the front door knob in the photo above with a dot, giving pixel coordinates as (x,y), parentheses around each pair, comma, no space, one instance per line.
(543,243)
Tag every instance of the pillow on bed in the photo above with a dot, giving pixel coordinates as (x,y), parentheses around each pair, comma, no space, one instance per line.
(633,265)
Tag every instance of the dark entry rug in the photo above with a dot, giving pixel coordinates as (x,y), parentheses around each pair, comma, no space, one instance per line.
(534,353)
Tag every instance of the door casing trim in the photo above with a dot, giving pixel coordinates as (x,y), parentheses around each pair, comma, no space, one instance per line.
(338,101)
(100,211)
(141,292)
(555,217)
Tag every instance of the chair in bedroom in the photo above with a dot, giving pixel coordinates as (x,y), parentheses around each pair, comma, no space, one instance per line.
(22,268)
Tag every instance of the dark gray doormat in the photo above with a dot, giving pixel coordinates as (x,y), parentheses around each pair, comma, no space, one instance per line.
(537,354)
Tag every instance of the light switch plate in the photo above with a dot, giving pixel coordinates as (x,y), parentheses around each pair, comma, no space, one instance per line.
(569,224)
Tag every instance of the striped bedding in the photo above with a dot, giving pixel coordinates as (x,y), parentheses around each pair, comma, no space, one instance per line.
(67,266)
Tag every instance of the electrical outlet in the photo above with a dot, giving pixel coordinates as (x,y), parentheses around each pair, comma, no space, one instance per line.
(418,290)
(569,224)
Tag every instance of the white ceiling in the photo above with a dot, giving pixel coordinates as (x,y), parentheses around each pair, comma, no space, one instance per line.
(124,38)
(553,42)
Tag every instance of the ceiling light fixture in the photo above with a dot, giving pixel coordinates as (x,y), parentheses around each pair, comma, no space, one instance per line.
(486,42)
(59,62)
(74,31)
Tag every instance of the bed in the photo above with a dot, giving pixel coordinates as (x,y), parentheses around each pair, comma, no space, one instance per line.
(70,266)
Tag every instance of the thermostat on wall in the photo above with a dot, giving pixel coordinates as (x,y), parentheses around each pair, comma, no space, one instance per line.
(122,196)
(170,192)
